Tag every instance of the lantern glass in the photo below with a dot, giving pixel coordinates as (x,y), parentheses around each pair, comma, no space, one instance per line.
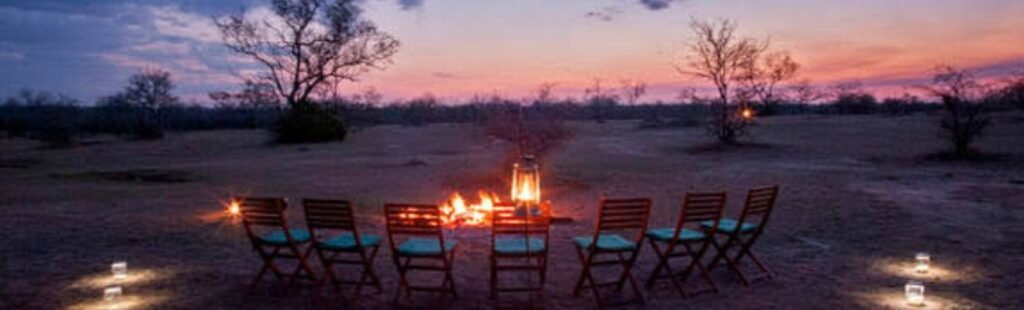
(112,294)
(923,261)
(915,293)
(119,269)
(526,182)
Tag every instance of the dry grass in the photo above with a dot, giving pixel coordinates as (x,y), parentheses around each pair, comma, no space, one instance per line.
(857,202)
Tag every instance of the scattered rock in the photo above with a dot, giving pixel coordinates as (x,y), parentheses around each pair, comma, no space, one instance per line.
(415,162)
(141,176)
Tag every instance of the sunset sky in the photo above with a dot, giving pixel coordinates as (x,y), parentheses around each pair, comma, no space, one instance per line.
(457,48)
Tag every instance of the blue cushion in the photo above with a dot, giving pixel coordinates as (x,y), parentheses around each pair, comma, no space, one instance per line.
(610,242)
(665,234)
(518,245)
(277,237)
(424,246)
(347,242)
(729,226)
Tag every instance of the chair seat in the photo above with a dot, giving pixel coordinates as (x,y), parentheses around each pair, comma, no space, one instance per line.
(665,235)
(729,226)
(424,247)
(610,242)
(277,237)
(518,245)
(347,242)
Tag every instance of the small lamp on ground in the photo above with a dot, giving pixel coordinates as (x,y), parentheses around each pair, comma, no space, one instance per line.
(914,291)
(119,269)
(112,296)
(923,262)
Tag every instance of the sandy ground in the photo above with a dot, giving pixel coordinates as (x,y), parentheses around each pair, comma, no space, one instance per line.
(857,202)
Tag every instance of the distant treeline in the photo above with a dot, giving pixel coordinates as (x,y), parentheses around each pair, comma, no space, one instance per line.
(59,119)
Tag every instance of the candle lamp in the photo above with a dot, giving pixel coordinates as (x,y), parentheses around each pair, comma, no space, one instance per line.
(526,182)
(914,291)
(923,262)
(119,269)
(112,296)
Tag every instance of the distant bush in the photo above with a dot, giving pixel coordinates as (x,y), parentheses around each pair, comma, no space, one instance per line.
(309,123)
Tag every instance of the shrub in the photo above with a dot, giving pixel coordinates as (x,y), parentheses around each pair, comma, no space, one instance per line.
(309,123)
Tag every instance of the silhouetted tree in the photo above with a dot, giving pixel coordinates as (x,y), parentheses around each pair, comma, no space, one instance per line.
(600,101)
(763,74)
(719,56)
(254,95)
(306,46)
(141,103)
(961,95)
(632,91)
(805,93)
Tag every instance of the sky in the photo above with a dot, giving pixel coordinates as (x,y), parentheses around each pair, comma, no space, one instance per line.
(454,49)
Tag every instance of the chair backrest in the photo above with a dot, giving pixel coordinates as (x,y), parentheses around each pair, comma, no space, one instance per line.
(405,219)
(510,220)
(329,214)
(262,212)
(623,214)
(759,205)
(700,207)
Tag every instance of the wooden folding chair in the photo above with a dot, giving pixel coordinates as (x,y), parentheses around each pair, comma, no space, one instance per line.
(416,235)
(742,233)
(519,235)
(264,222)
(347,246)
(614,217)
(697,208)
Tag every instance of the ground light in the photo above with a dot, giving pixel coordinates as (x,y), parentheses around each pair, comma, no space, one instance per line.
(923,261)
(112,296)
(914,291)
(119,269)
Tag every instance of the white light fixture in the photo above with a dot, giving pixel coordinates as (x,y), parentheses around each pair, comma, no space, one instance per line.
(923,261)
(119,269)
(915,293)
(112,296)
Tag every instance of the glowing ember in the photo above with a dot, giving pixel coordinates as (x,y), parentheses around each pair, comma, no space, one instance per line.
(456,211)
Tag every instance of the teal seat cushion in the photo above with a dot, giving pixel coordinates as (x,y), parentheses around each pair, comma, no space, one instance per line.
(665,234)
(424,246)
(729,226)
(277,237)
(347,242)
(610,242)
(518,245)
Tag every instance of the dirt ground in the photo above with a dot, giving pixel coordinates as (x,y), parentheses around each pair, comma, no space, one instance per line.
(857,201)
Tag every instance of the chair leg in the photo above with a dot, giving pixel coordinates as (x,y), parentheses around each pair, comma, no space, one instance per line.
(494,278)
(627,274)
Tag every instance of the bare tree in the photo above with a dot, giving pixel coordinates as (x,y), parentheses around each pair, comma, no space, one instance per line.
(763,74)
(632,91)
(961,96)
(804,92)
(308,45)
(720,56)
(545,93)
(150,89)
(254,95)
(600,101)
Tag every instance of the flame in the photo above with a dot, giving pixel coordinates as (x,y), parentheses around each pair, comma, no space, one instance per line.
(525,191)
(233,208)
(456,211)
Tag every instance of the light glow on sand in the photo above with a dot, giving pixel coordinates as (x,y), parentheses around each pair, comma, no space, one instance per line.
(936,273)
(134,278)
(132,301)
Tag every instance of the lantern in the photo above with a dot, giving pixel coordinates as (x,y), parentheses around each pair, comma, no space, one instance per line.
(747,113)
(915,293)
(111,295)
(234,209)
(120,270)
(923,261)
(526,182)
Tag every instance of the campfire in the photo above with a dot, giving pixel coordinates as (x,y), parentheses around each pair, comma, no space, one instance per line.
(457,211)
